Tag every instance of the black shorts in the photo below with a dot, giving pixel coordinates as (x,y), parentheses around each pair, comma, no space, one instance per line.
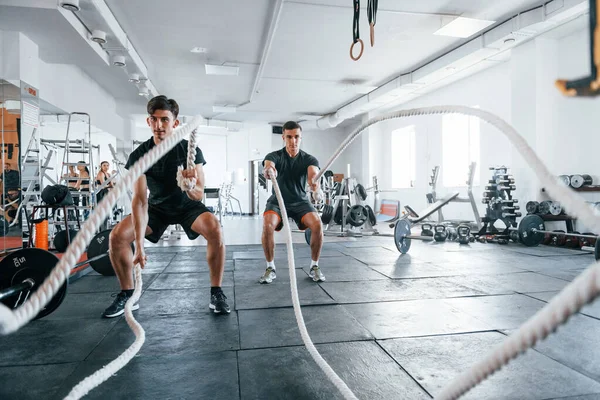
(296,211)
(159,220)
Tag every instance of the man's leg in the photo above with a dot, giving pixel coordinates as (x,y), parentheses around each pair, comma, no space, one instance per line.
(271,223)
(207,225)
(312,221)
(121,258)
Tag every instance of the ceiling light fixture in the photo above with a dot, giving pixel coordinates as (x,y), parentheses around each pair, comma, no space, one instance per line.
(119,61)
(462,27)
(134,78)
(230,70)
(143,92)
(199,50)
(98,36)
(70,5)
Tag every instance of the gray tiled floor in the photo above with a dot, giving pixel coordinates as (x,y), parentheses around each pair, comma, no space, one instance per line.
(392,326)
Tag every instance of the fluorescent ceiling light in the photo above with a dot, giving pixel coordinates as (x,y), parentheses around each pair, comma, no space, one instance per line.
(221,69)
(224,109)
(463,27)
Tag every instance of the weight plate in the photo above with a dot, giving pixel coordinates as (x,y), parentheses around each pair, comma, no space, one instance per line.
(401,233)
(35,264)
(372,218)
(544,207)
(566,179)
(597,250)
(307,235)
(327,214)
(328,173)
(357,215)
(99,246)
(532,207)
(514,236)
(527,237)
(555,208)
(337,217)
(60,240)
(361,191)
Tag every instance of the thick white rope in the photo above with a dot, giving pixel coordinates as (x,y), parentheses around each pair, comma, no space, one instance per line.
(329,372)
(578,293)
(103,374)
(187,184)
(11,321)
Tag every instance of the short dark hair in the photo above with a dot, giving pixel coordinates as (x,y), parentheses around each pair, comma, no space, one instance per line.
(104,162)
(291,125)
(163,103)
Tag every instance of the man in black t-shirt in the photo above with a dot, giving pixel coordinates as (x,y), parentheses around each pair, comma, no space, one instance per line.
(165,205)
(293,168)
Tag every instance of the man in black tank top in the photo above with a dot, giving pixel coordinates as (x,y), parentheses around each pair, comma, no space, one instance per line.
(293,168)
(166,205)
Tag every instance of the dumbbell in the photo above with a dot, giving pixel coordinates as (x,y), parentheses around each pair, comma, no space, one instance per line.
(573,242)
(508,215)
(510,208)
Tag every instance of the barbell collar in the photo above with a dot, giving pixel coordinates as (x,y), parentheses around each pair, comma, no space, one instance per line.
(27,284)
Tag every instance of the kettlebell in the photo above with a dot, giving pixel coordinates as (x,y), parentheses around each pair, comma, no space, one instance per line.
(440,233)
(464,234)
(426,230)
(452,235)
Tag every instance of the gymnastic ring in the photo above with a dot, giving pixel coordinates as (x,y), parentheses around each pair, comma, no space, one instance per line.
(362,48)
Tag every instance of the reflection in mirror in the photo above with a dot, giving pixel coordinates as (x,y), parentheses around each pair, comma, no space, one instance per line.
(10,178)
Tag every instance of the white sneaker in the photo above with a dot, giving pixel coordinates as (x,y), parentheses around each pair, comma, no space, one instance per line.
(268,276)
(316,274)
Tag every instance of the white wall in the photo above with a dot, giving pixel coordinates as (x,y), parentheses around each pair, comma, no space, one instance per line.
(490,90)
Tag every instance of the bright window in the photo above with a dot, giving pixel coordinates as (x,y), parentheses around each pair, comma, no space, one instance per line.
(403,158)
(460,148)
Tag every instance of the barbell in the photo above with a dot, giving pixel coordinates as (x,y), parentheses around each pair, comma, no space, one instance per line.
(23,271)
(532,231)
(403,237)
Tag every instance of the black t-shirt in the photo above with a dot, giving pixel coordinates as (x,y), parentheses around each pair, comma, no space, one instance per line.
(162,176)
(292,174)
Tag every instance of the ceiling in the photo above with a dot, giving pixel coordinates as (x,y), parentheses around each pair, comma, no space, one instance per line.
(300,65)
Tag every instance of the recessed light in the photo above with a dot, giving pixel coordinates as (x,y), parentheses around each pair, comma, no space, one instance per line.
(70,5)
(462,27)
(509,41)
(199,50)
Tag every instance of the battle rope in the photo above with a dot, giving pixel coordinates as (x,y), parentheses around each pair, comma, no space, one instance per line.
(187,184)
(372,16)
(98,377)
(356,32)
(571,299)
(329,372)
(11,321)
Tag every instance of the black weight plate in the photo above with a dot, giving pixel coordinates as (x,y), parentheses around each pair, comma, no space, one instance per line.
(597,250)
(372,218)
(401,231)
(337,217)
(532,207)
(327,214)
(60,240)
(529,238)
(362,193)
(514,236)
(544,207)
(357,215)
(99,246)
(307,235)
(36,264)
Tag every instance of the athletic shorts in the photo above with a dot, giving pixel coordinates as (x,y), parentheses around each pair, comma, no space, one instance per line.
(159,220)
(296,211)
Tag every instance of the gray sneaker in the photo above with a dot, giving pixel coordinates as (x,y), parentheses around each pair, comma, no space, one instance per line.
(316,274)
(268,276)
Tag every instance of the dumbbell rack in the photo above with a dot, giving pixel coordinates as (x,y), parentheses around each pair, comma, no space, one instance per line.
(501,206)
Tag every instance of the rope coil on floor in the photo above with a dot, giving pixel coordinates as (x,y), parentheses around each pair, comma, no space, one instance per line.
(329,372)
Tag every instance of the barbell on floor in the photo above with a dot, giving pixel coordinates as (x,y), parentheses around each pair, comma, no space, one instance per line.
(532,231)
(403,237)
(23,271)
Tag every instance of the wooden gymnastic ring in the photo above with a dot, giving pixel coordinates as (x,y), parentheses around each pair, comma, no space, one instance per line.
(362,48)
